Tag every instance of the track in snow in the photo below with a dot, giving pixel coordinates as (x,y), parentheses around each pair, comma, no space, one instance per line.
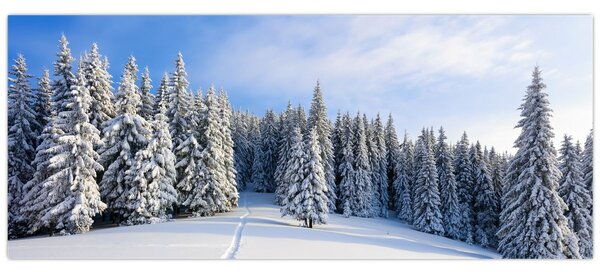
(237,238)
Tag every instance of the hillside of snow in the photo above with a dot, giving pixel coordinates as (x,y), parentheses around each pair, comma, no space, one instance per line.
(254,230)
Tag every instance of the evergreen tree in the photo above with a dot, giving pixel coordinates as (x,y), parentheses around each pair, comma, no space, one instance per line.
(241,149)
(573,191)
(133,69)
(265,161)
(307,197)
(162,94)
(224,122)
(485,201)
(317,120)
(404,180)
(301,120)
(347,189)
(532,223)
(179,105)
(42,105)
(361,200)
(295,175)
(464,188)
(154,176)
(427,213)
(447,184)
(124,136)
(188,159)
(285,148)
(21,141)
(379,166)
(587,165)
(98,82)
(392,147)
(145,109)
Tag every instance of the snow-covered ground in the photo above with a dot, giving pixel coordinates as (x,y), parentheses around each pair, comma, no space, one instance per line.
(255,230)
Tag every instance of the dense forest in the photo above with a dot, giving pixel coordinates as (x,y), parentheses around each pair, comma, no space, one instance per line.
(80,152)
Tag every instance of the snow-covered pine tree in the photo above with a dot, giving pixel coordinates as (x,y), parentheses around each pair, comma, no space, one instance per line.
(497,165)
(154,177)
(361,201)
(447,184)
(145,109)
(124,136)
(22,140)
(307,196)
(532,223)
(426,199)
(404,181)
(98,82)
(336,141)
(179,106)
(301,120)
(587,166)
(133,69)
(73,198)
(285,148)
(463,172)
(379,166)
(42,106)
(241,148)
(485,204)
(573,191)
(317,120)
(162,95)
(266,157)
(229,184)
(187,155)
(347,188)
(392,147)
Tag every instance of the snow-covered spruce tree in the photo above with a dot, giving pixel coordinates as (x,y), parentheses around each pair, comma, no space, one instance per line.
(146,108)
(240,149)
(22,140)
(336,141)
(392,147)
(285,148)
(229,185)
(463,172)
(379,166)
(573,191)
(317,120)
(426,199)
(497,165)
(124,136)
(133,69)
(179,106)
(98,82)
(162,95)
(587,166)
(266,157)
(73,198)
(42,105)
(301,120)
(295,173)
(153,193)
(373,158)
(209,196)
(307,197)
(485,204)
(188,157)
(532,223)
(447,184)
(362,196)
(347,188)
(404,180)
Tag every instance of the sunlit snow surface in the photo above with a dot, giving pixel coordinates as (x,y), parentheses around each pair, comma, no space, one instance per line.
(255,230)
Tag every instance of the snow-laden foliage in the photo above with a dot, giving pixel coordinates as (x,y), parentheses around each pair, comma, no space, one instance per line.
(532,223)
(427,215)
(485,200)
(42,106)
(224,121)
(346,166)
(154,176)
(98,82)
(162,95)
(266,157)
(317,120)
(573,191)
(379,168)
(22,139)
(447,184)
(307,196)
(124,135)
(392,147)
(463,172)
(146,108)
(587,167)
(179,105)
(404,181)
(242,148)
(286,131)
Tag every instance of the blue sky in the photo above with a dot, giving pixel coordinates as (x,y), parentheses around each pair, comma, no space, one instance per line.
(462,72)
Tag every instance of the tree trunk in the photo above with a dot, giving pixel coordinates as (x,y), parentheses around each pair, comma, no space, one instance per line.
(306,222)
(310,221)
